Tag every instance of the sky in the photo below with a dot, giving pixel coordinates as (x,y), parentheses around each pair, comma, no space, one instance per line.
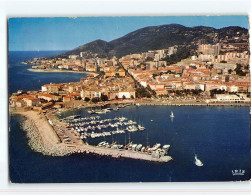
(61,33)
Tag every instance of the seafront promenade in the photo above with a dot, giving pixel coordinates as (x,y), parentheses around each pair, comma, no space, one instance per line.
(79,104)
(49,140)
(193,103)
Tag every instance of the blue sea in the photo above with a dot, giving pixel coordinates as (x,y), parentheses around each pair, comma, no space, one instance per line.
(220,136)
(22,79)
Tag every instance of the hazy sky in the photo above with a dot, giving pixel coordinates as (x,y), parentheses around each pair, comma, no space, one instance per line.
(28,34)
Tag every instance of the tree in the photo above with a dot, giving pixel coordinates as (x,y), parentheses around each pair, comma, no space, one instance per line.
(104,97)
(195,91)
(213,92)
(239,71)
(87,99)
(230,71)
(178,92)
(142,92)
(95,99)
(182,53)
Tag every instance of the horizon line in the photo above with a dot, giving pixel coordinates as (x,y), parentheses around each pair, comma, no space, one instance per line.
(38,50)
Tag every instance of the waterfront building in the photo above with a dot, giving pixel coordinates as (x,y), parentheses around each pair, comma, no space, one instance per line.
(127,94)
(228,98)
(67,98)
(90,93)
(31,101)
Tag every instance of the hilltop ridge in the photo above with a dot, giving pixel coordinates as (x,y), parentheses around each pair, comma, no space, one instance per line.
(157,37)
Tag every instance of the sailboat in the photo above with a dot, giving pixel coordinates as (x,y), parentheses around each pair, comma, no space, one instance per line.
(198,162)
(172,115)
(141,127)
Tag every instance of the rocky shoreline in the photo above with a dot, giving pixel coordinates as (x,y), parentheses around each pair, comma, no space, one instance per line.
(37,143)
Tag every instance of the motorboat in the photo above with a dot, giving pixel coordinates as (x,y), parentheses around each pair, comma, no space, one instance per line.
(91,111)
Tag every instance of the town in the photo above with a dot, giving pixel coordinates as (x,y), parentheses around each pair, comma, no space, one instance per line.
(216,73)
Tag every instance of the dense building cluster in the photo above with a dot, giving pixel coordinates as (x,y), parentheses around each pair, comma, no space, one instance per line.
(211,70)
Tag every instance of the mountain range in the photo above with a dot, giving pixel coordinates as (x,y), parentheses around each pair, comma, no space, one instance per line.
(158,37)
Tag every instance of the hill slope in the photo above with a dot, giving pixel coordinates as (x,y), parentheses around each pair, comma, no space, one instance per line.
(157,37)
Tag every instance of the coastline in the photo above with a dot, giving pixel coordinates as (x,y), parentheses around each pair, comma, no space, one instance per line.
(54,70)
(155,103)
(247,104)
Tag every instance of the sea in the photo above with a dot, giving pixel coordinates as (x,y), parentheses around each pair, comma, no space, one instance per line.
(219,136)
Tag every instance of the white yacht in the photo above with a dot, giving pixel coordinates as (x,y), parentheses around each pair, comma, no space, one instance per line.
(198,162)
(101,112)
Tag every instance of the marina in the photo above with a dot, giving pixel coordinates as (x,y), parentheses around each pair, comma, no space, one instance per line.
(94,127)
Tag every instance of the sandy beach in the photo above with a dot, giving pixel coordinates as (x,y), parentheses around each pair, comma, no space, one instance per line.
(60,71)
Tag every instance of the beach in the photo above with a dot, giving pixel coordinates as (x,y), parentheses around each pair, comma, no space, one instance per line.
(60,71)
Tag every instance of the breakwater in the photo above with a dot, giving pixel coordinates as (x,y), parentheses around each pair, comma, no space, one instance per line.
(36,142)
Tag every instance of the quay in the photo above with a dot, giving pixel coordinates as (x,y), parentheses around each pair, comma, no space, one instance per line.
(121,153)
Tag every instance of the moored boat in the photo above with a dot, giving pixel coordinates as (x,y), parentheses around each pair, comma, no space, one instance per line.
(91,111)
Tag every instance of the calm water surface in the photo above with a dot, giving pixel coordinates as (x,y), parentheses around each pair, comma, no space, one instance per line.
(21,78)
(220,136)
